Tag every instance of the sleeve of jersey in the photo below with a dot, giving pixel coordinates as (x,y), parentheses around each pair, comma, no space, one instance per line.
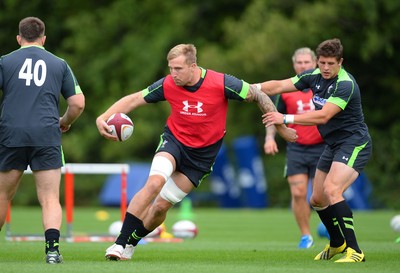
(341,96)
(234,88)
(155,92)
(303,80)
(70,85)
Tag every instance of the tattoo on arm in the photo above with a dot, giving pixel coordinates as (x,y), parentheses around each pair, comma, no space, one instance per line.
(263,101)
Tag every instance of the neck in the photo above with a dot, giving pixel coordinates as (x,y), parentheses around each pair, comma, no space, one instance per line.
(38,42)
(31,44)
(196,76)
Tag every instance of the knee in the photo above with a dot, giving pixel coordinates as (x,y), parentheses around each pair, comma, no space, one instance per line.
(154,185)
(298,191)
(316,202)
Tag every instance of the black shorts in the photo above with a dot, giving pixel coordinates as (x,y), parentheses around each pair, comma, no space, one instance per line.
(38,158)
(353,155)
(302,159)
(195,163)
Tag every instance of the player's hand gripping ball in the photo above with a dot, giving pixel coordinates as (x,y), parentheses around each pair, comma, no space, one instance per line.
(121,125)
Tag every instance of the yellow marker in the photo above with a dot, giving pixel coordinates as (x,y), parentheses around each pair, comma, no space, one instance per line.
(102,215)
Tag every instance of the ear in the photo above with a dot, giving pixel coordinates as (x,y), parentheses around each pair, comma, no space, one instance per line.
(43,40)
(19,38)
(341,61)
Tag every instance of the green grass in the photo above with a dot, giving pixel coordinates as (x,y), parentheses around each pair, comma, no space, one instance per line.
(228,241)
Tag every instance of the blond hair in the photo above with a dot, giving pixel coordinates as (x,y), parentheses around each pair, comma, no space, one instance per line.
(187,50)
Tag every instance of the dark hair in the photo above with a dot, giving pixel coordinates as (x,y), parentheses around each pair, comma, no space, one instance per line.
(330,48)
(31,28)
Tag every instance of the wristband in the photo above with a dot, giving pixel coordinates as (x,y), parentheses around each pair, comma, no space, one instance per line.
(288,119)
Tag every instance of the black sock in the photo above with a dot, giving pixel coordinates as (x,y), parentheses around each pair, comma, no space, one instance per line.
(52,237)
(344,217)
(132,231)
(326,216)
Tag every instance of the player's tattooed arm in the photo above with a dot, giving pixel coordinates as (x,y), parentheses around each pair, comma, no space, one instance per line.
(266,105)
(263,100)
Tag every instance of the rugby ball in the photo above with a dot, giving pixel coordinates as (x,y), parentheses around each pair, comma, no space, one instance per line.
(121,126)
(395,223)
(156,232)
(184,229)
(115,228)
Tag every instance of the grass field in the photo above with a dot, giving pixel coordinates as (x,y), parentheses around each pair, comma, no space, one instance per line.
(228,241)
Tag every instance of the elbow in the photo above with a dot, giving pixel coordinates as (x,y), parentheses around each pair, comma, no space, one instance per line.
(80,104)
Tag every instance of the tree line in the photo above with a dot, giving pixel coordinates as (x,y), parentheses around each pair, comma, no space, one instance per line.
(120,46)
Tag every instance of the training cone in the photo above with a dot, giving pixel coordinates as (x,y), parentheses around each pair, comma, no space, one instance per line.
(186,212)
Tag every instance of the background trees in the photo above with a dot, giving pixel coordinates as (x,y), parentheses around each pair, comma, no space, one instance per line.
(117,47)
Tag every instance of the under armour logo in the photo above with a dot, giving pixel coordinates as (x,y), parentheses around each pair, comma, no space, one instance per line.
(187,106)
(345,158)
(303,107)
(318,86)
(164,143)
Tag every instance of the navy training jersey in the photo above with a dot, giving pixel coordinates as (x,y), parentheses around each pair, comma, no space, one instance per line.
(342,91)
(32,80)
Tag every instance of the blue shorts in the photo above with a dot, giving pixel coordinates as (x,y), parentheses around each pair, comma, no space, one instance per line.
(302,159)
(38,158)
(195,163)
(353,155)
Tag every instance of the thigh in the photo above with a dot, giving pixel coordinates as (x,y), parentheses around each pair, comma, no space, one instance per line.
(195,163)
(47,183)
(182,181)
(9,181)
(339,178)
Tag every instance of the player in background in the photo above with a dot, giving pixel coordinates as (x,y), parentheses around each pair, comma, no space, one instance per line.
(189,144)
(32,80)
(340,121)
(301,156)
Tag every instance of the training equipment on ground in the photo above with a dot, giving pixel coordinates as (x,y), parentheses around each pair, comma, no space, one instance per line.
(156,232)
(69,171)
(184,229)
(395,223)
(115,228)
(121,125)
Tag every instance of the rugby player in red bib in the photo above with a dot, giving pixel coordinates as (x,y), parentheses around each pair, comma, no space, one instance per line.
(189,144)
